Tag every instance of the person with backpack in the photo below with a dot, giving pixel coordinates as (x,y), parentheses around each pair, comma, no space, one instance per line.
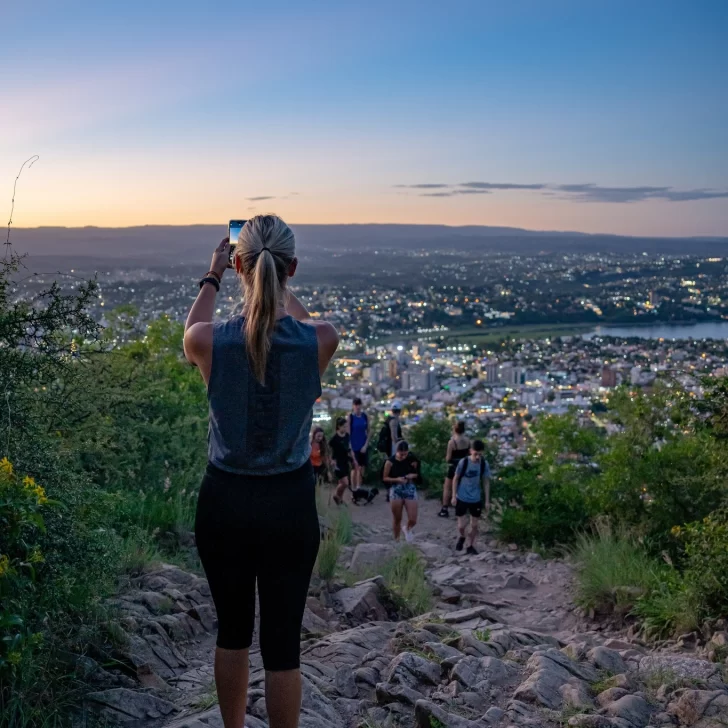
(458,447)
(401,473)
(391,431)
(359,434)
(472,480)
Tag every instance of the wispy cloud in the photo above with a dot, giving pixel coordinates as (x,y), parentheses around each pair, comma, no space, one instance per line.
(260,198)
(582,192)
(452,193)
(500,186)
(425,186)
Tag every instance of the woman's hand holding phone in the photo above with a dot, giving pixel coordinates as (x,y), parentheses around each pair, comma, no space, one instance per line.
(221,257)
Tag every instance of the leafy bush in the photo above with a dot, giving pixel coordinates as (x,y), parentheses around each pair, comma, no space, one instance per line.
(541,505)
(706,562)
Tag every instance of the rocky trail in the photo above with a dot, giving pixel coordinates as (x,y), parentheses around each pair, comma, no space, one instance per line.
(503,646)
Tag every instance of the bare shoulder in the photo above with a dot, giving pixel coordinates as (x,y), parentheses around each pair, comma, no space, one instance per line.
(327,335)
(198,340)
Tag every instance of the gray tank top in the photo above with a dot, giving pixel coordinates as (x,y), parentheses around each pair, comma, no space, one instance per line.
(262,429)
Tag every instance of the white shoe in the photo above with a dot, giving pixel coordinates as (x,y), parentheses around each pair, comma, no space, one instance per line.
(409,536)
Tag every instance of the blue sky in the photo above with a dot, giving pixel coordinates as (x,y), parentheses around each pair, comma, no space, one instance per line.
(568,114)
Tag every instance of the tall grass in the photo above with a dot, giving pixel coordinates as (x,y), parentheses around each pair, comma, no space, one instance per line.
(613,571)
(404,575)
(339,533)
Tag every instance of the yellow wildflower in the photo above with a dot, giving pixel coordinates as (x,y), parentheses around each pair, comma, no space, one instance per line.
(14,658)
(36,557)
(28,482)
(40,495)
(4,565)
(675,530)
(6,466)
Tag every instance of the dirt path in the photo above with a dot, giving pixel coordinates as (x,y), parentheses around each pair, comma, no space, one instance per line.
(530,592)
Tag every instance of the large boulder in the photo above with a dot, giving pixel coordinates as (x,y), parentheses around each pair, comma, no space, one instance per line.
(701,708)
(368,557)
(476,673)
(361,602)
(631,708)
(605,659)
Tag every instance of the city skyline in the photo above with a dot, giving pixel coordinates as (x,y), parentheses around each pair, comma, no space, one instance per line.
(561,117)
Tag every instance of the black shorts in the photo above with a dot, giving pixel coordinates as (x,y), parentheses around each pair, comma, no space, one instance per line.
(474,509)
(342,471)
(260,530)
(362,458)
(451,468)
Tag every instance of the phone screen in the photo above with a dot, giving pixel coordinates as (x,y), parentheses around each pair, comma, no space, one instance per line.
(234,229)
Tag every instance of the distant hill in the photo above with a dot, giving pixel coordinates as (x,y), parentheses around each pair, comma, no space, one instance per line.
(165,244)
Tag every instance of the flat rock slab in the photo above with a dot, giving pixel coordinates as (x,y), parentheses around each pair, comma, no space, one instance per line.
(679,666)
(473,614)
(122,705)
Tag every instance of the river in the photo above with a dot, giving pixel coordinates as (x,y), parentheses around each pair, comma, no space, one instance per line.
(704,330)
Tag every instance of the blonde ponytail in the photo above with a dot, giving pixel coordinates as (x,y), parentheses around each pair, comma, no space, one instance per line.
(266,248)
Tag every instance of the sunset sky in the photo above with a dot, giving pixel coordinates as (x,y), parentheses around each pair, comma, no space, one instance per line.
(589,115)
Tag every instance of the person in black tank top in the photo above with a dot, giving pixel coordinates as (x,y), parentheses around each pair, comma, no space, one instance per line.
(458,448)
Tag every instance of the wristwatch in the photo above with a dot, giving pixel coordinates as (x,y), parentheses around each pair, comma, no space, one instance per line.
(210,279)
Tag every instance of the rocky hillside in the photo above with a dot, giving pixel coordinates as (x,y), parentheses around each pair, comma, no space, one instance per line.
(502,646)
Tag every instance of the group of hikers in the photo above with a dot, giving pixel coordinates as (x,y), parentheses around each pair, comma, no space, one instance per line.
(344,458)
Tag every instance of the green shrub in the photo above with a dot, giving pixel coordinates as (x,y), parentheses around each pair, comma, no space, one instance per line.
(613,571)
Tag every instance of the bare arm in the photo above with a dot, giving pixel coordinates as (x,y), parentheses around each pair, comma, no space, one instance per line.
(486,488)
(197,341)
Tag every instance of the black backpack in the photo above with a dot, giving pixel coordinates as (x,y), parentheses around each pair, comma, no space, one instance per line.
(384,441)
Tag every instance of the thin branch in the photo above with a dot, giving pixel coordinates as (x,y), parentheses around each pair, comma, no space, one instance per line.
(30,162)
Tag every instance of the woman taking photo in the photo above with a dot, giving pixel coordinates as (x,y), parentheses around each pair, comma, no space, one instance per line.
(458,447)
(256,518)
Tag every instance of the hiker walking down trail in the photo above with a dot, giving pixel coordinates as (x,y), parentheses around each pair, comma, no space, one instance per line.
(359,433)
(471,483)
(320,456)
(256,522)
(401,472)
(458,447)
(343,458)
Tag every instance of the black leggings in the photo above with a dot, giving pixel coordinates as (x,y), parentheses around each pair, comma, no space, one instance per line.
(264,529)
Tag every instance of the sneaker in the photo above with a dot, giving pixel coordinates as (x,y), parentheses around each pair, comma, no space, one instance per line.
(471,551)
(408,535)
(459,545)
(444,512)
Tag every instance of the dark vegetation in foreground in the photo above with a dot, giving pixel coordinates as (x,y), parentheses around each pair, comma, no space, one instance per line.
(102,449)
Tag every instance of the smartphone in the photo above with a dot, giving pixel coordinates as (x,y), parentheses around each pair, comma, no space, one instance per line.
(234,229)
